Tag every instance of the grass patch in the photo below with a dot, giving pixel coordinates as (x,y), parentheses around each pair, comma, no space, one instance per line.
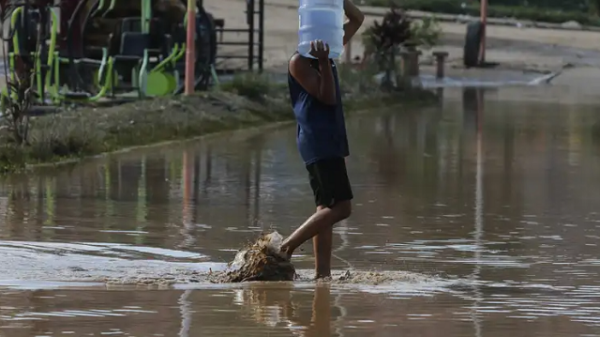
(533,13)
(253,86)
(87,131)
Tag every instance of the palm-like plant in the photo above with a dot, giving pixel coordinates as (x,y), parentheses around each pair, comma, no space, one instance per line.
(382,40)
(17,97)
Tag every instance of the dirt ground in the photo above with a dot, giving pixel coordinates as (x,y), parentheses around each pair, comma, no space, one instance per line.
(576,53)
(281,27)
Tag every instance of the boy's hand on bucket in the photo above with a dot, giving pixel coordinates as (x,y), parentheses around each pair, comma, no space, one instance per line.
(319,49)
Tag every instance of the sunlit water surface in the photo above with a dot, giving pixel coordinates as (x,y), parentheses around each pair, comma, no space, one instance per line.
(483,212)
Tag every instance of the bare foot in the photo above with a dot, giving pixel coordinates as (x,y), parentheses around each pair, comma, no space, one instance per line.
(323,278)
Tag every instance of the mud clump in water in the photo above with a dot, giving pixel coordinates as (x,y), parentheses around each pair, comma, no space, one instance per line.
(261,261)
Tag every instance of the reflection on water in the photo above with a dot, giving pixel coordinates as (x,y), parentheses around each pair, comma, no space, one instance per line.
(283,310)
(497,194)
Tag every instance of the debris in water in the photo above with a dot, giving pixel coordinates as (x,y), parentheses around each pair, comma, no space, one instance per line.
(261,261)
(346,276)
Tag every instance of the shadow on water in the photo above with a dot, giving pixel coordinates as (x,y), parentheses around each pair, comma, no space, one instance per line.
(477,214)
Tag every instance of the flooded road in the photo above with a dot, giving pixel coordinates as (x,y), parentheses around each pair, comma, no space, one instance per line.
(481,213)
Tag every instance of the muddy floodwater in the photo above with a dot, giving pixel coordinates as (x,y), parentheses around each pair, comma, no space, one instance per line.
(476,217)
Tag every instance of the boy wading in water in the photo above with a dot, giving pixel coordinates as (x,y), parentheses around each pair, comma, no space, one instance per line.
(322,142)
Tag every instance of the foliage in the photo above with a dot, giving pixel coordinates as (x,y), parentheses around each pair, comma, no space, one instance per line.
(425,33)
(541,11)
(394,30)
(397,29)
(384,40)
(15,107)
(594,7)
(15,103)
(252,85)
(358,80)
(564,5)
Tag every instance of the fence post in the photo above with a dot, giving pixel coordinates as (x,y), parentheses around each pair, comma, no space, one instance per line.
(250,11)
(440,62)
(190,52)
(483,17)
(261,34)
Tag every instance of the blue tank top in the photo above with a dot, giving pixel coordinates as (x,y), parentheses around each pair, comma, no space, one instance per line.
(321,130)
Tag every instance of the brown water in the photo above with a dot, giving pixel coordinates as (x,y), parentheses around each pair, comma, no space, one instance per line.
(483,215)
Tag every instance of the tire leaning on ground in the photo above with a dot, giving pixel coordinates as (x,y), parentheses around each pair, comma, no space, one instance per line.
(472,44)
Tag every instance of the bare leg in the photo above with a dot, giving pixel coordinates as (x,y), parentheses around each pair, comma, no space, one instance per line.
(320,222)
(331,186)
(322,244)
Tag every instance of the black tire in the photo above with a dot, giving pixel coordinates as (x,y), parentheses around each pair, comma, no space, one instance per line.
(206,44)
(472,44)
(206,49)
(206,36)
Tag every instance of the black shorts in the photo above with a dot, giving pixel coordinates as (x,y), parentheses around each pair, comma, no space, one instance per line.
(329,181)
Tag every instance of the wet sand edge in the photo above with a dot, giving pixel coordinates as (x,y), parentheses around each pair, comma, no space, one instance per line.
(212,280)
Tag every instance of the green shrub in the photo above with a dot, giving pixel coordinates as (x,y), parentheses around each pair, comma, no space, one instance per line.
(425,33)
(541,14)
(359,80)
(251,85)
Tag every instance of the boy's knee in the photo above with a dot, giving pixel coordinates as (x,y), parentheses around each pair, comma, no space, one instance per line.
(343,209)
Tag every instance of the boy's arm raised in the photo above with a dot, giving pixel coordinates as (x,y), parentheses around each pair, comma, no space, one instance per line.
(355,20)
(319,84)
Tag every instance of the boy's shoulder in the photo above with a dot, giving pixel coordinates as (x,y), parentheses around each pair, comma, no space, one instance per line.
(298,60)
